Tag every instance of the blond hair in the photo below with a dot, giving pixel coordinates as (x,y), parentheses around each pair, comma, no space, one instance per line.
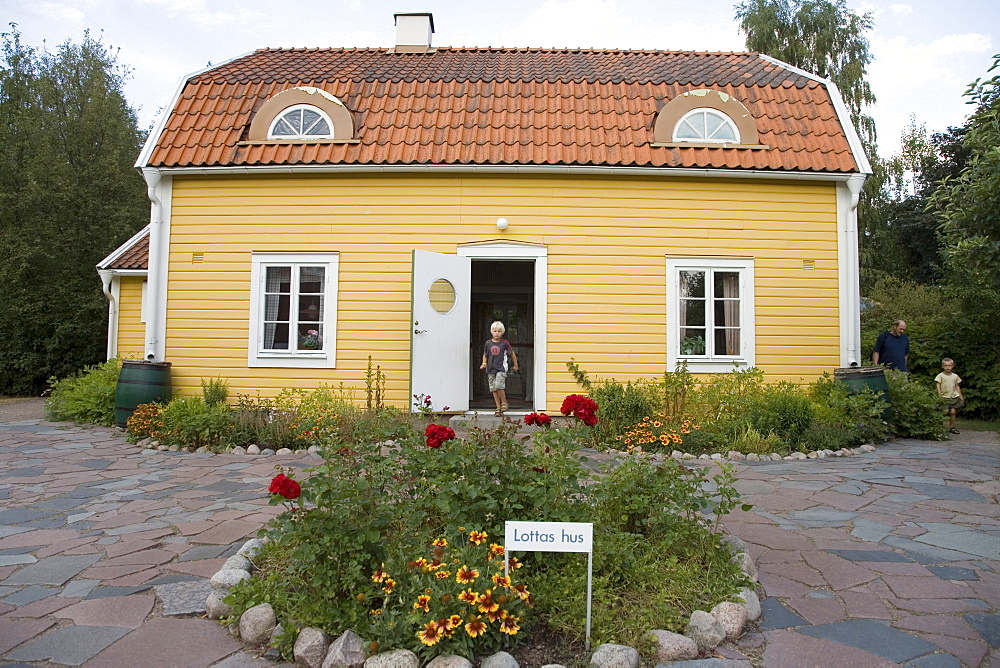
(498,325)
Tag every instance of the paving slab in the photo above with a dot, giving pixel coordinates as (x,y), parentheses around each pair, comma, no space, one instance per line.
(52,570)
(987,625)
(14,632)
(188,642)
(68,645)
(873,636)
(127,611)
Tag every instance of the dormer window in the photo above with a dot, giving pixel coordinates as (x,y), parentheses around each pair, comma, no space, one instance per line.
(301,115)
(302,121)
(706,125)
(706,118)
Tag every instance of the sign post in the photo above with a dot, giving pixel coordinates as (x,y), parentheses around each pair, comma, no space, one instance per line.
(552,537)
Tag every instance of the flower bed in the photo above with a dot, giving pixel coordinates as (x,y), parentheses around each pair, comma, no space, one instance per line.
(398,544)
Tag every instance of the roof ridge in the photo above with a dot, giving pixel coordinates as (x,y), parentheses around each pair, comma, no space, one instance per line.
(501,49)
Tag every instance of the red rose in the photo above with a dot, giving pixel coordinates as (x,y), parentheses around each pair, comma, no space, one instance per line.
(290,489)
(540,419)
(275,487)
(285,486)
(582,407)
(436,434)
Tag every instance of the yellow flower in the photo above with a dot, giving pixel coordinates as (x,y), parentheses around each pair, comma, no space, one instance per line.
(440,542)
(442,575)
(501,581)
(509,625)
(430,634)
(496,550)
(466,575)
(477,537)
(475,627)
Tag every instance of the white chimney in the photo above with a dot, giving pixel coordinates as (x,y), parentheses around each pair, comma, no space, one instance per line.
(413,32)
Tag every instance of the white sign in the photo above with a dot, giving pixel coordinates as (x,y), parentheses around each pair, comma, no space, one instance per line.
(549,536)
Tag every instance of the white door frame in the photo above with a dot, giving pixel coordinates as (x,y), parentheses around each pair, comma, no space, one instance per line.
(505,250)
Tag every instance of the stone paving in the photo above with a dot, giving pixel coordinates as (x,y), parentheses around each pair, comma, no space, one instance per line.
(890,558)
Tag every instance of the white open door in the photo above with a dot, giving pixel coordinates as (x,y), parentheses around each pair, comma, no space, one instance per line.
(439,348)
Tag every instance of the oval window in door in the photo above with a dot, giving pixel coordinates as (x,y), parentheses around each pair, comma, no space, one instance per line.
(442,295)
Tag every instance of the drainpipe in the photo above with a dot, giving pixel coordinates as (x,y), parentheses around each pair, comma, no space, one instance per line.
(854,185)
(106,277)
(154,292)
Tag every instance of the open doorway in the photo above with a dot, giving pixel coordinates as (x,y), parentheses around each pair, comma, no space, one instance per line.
(503,290)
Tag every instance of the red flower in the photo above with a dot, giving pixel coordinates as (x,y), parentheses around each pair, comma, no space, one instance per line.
(582,407)
(276,483)
(285,486)
(540,419)
(436,434)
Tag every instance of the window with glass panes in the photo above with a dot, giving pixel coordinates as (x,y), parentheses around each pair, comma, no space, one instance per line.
(710,316)
(293,310)
(301,122)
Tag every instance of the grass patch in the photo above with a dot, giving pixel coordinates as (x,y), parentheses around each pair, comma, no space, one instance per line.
(977,425)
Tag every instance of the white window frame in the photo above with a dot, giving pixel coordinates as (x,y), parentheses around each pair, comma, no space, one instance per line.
(257,356)
(719,363)
(299,107)
(712,112)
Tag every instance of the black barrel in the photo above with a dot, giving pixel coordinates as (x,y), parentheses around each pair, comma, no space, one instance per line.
(861,378)
(140,382)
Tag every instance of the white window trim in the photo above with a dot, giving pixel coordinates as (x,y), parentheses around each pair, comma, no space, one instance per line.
(324,359)
(747,358)
(715,112)
(297,107)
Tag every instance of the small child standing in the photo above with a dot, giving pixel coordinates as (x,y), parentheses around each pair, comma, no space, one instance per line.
(495,352)
(947,388)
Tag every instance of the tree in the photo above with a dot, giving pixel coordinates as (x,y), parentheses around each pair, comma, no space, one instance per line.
(820,36)
(68,196)
(969,204)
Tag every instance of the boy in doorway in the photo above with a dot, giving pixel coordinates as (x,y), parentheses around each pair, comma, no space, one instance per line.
(495,352)
(947,388)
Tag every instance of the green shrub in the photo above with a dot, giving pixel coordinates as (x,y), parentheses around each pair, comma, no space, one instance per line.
(190,422)
(88,396)
(214,391)
(916,407)
(620,405)
(781,409)
(752,441)
(144,422)
(844,418)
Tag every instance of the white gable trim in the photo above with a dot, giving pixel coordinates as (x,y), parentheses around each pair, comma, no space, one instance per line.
(843,114)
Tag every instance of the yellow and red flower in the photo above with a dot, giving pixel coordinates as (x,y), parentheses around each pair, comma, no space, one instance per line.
(440,542)
(442,575)
(475,627)
(466,575)
(510,625)
(501,580)
(486,602)
(430,634)
(388,585)
(469,597)
(496,550)
(422,603)
(477,537)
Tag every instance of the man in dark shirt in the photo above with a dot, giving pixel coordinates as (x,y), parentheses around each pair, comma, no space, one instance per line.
(892,348)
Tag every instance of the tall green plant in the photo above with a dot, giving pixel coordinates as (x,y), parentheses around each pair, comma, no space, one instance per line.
(87,396)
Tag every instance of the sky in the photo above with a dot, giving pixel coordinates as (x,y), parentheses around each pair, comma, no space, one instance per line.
(926,52)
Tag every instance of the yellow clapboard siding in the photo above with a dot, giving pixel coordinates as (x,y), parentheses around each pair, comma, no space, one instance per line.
(131,330)
(607,240)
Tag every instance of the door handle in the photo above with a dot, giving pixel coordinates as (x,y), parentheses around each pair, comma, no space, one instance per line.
(419,331)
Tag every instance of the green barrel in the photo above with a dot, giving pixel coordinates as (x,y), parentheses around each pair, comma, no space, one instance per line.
(861,378)
(140,382)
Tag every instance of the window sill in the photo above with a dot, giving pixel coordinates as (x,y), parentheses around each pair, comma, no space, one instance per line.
(325,140)
(708,144)
(322,360)
(713,366)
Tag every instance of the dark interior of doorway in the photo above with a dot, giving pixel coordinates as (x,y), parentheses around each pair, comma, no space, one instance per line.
(503,290)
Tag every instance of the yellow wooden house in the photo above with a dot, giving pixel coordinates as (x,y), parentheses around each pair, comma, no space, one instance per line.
(314,208)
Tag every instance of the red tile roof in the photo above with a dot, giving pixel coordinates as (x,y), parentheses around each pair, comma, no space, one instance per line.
(461,106)
(133,254)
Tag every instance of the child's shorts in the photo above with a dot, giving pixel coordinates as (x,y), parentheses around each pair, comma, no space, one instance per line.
(955,404)
(498,381)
